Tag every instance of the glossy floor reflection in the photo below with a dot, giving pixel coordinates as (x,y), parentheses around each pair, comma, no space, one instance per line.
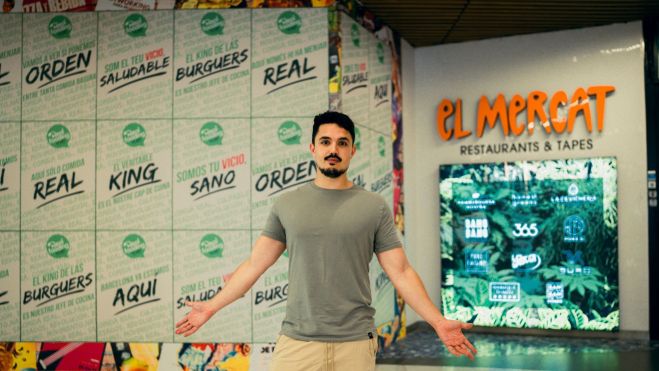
(422,351)
(442,368)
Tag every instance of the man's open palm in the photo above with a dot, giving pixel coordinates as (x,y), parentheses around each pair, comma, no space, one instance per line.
(450,333)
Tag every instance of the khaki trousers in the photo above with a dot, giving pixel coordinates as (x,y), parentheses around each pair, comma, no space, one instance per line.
(297,355)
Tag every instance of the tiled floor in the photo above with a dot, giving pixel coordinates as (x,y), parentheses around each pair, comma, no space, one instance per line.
(422,351)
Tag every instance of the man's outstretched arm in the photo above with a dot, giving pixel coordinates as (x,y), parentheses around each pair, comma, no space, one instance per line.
(409,285)
(265,253)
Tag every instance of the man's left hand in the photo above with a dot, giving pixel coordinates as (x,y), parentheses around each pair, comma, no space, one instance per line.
(450,333)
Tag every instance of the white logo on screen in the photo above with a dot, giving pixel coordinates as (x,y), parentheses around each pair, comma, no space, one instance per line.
(525,230)
(554,292)
(476,261)
(525,262)
(504,291)
(573,189)
(476,228)
(574,229)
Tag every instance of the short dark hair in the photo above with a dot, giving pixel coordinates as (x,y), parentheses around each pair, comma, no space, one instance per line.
(332,117)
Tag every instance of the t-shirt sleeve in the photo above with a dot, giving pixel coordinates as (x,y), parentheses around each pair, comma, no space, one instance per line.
(273,227)
(386,236)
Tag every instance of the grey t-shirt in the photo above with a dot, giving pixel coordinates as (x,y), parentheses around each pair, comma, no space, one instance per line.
(331,236)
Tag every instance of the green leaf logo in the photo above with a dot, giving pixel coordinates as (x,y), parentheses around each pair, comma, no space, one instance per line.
(358,138)
(58,136)
(382,147)
(289,23)
(60,27)
(135,25)
(354,34)
(134,135)
(212,246)
(212,24)
(58,246)
(211,133)
(289,132)
(134,246)
(379,51)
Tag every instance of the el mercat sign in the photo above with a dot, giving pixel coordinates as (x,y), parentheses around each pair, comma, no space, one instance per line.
(557,113)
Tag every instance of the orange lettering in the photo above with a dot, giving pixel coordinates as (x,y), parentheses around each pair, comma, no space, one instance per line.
(444,110)
(559,123)
(485,112)
(459,133)
(600,93)
(536,106)
(552,118)
(517,105)
(579,103)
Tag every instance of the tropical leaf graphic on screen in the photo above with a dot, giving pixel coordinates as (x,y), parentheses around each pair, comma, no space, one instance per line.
(534,211)
(609,323)
(577,285)
(473,291)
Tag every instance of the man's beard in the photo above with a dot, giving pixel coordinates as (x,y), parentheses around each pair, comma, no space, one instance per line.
(332,172)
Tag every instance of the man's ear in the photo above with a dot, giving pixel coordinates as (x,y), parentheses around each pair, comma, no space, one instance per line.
(312,148)
(354,150)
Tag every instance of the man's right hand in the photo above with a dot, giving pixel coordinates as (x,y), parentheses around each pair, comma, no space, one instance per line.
(200,312)
(265,253)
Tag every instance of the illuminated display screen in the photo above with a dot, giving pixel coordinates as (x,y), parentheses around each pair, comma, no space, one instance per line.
(531,244)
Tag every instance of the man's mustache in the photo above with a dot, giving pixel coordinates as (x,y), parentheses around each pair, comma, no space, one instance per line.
(336,157)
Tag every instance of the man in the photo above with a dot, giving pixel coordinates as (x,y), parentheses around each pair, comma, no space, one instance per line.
(331,229)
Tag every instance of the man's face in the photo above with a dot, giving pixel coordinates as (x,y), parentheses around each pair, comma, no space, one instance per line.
(332,150)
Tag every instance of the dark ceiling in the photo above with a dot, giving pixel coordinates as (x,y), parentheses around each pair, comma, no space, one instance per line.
(433,22)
